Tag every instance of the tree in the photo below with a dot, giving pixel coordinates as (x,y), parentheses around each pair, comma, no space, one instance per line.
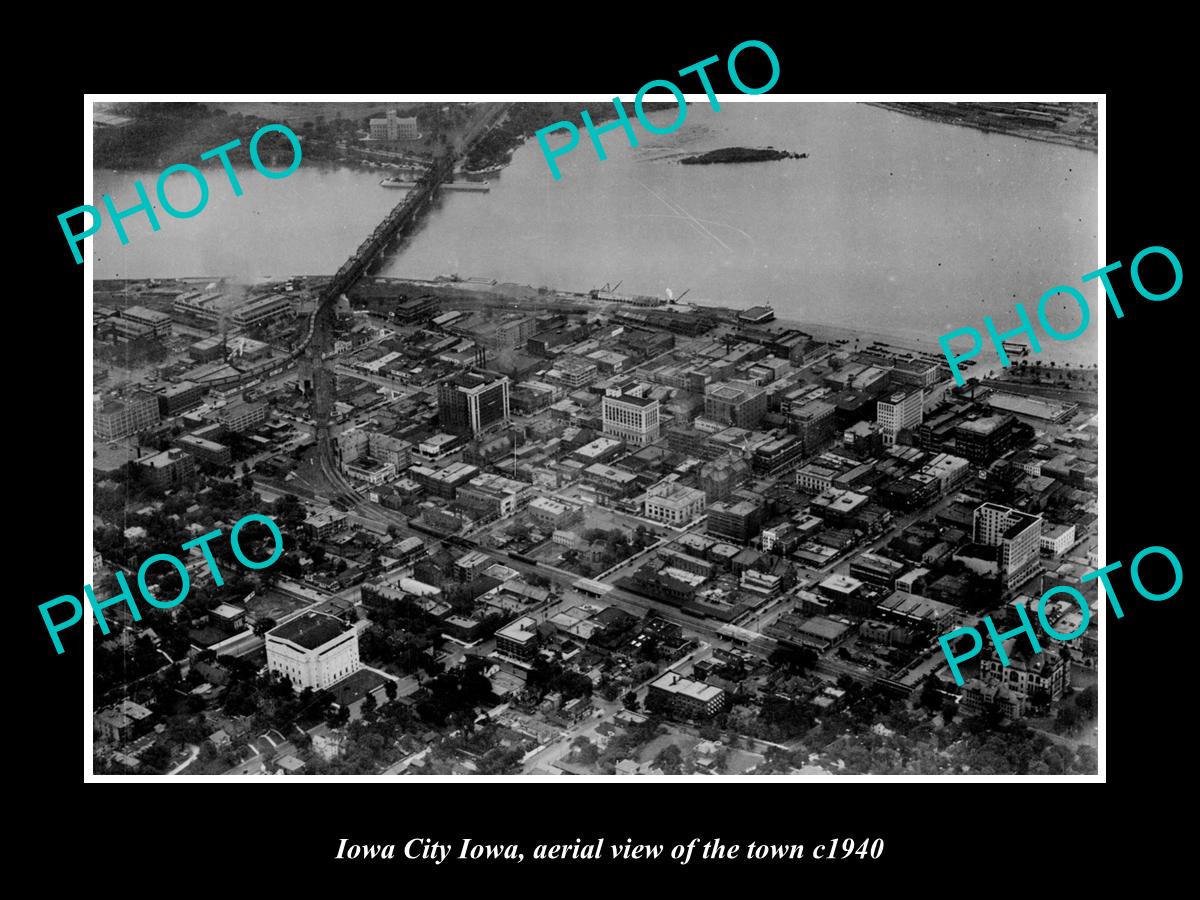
(156,757)
(1086,700)
(1068,719)
(669,760)
(630,700)
(263,625)
(585,751)
(931,695)
(369,705)
(656,702)
(391,690)
(949,711)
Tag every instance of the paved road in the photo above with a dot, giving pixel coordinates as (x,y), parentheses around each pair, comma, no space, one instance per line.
(193,752)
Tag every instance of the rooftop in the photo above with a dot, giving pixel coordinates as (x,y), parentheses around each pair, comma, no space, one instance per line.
(309,631)
(822,627)
(522,630)
(677,684)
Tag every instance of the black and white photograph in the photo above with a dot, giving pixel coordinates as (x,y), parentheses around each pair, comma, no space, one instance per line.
(539,439)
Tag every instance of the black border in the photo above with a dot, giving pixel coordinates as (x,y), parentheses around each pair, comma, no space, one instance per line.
(1148,433)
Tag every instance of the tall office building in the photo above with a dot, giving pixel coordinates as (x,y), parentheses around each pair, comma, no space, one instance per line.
(899,410)
(471,402)
(738,403)
(1019,537)
(630,415)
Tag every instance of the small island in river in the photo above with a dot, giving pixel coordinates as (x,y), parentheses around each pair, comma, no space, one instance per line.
(740,155)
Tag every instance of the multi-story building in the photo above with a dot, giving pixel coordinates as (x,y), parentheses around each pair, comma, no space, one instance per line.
(1013,687)
(722,476)
(687,698)
(574,373)
(554,513)
(608,482)
(630,415)
(174,399)
(738,403)
(117,417)
(159,323)
(169,468)
(394,128)
(878,570)
(203,449)
(673,503)
(983,439)
(472,402)
(916,372)
(1019,537)
(492,495)
(778,456)
(738,522)
(325,523)
(1057,539)
(781,538)
(518,640)
(314,650)
(514,331)
(370,470)
(120,722)
(239,415)
(899,410)
(446,481)
(815,422)
(213,308)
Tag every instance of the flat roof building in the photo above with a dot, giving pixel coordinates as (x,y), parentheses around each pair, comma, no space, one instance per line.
(631,415)
(1017,534)
(687,698)
(472,402)
(314,650)
(518,640)
(118,417)
(673,503)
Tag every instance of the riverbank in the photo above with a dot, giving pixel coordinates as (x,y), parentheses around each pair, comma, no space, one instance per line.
(1071,124)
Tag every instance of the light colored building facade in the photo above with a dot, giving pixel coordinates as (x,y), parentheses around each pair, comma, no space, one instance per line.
(673,503)
(1058,539)
(116,418)
(688,698)
(239,416)
(314,651)
(1017,534)
(899,410)
(394,128)
(631,416)
(159,323)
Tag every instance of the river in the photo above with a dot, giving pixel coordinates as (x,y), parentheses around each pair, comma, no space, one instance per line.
(893,224)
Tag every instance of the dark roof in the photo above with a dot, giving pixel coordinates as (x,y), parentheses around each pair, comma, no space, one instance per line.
(310,631)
